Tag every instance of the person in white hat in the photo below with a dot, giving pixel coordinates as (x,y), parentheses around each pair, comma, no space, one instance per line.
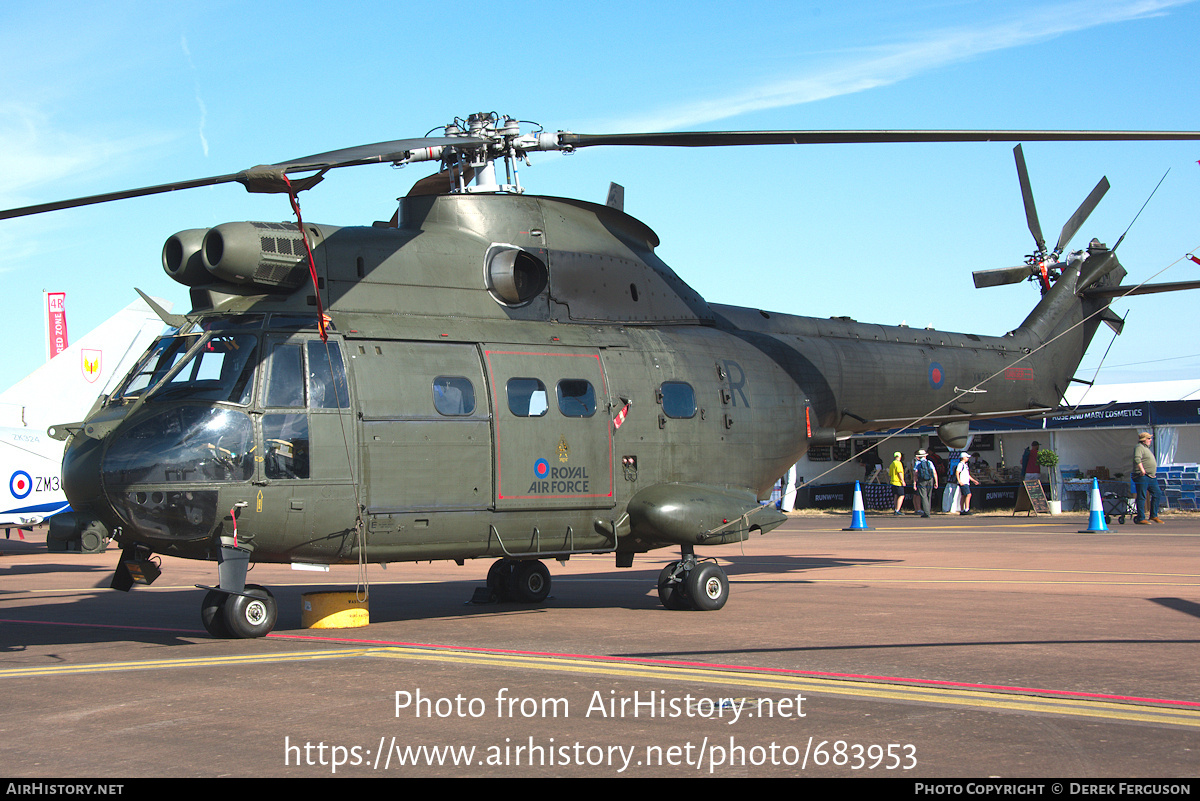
(924,483)
(962,475)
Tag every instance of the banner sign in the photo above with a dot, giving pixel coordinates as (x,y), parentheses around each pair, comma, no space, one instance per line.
(56,323)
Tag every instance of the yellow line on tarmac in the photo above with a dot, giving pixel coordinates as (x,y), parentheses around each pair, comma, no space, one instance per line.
(981,699)
(188,662)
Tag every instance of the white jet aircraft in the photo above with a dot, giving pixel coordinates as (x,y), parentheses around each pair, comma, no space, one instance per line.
(62,390)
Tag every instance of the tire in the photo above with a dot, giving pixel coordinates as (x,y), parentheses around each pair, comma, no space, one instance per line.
(707,587)
(499,579)
(670,593)
(212,614)
(531,582)
(251,615)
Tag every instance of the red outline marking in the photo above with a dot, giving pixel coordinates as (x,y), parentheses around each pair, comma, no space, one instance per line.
(487,355)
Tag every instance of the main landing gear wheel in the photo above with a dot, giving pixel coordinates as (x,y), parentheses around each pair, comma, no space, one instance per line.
(531,582)
(670,589)
(525,581)
(251,615)
(499,578)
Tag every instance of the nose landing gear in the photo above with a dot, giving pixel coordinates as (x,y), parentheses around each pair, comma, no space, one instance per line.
(244,615)
(688,584)
(234,608)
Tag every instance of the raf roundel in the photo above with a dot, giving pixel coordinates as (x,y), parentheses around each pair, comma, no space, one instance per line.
(20,485)
(541,468)
(937,375)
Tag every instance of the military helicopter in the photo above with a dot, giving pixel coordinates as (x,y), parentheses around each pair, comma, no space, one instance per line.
(492,374)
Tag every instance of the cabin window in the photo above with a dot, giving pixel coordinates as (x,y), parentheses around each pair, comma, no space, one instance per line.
(453,395)
(678,399)
(327,388)
(576,398)
(526,397)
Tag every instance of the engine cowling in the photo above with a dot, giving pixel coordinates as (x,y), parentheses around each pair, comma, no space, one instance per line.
(267,256)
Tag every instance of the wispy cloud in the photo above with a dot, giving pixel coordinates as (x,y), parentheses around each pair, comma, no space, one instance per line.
(33,152)
(199,100)
(888,64)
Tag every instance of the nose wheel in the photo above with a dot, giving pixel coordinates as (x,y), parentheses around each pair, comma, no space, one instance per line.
(688,584)
(245,615)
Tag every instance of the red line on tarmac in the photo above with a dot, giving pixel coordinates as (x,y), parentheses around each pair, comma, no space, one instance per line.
(665,662)
(784,671)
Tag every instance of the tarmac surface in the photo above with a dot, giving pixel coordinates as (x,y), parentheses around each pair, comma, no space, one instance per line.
(981,646)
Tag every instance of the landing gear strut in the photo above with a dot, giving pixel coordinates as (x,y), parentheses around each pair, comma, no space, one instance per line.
(234,608)
(523,580)
(688,584)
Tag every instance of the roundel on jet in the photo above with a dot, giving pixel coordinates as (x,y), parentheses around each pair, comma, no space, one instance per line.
(20,484)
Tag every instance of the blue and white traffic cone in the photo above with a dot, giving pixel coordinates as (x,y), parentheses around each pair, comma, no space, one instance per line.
(858,514)
(1096,522)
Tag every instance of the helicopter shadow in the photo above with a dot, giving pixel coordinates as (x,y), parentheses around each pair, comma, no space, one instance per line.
(631,589)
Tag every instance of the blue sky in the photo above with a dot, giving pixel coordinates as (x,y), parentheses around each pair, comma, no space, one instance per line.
(107,96)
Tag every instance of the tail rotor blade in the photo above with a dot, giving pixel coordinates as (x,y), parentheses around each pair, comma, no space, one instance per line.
(1081,215)
(1027,196)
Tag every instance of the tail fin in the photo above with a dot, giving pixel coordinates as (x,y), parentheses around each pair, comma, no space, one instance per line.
(1062,325)
(64,388)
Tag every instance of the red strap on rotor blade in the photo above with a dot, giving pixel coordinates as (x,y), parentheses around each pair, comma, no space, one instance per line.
(293,196)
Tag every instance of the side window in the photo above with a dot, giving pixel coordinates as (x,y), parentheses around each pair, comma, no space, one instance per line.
(576,398)
(454,396)
(285,441)
(326,377)
(526,397)
(286,386)
(678,399)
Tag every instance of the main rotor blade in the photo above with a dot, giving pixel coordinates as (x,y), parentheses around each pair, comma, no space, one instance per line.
(732,138)
(1027,196)
(348,157)
(1081,214)
(377,153)
(107,196)
(1001,276)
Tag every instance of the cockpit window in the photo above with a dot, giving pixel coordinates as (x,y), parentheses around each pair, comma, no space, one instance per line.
(222,369)
(223,322)
(285,386)
(155,364)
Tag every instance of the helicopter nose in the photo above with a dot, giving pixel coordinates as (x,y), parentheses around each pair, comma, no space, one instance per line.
(81,472)
(156,472)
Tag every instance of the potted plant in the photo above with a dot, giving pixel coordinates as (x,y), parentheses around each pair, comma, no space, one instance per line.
(1048,458)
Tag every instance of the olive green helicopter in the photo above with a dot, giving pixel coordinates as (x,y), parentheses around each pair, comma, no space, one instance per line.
(493,374)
